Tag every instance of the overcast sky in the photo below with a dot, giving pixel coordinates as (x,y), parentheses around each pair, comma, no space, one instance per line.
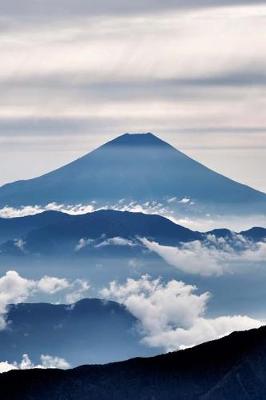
(75,74)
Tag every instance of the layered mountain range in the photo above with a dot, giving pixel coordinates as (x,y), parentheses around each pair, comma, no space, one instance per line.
(131,169)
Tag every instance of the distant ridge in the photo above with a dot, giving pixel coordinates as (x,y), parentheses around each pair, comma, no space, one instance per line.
(135,167)
(90,329)
(59,233)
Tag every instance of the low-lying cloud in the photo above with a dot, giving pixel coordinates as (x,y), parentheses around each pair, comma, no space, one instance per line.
(172,315)
(149,207)
(113,241)
(215,257)
(73,209)
(171,210)
(116,241)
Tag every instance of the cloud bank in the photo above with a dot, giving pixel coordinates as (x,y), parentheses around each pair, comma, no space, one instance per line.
(214,257)
(12,212)
(173,315)
(67,8)
(167,74)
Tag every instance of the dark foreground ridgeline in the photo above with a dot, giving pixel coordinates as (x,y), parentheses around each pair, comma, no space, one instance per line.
(232,368)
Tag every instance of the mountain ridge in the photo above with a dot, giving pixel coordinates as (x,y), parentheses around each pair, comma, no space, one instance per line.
(90,329)
(56,231)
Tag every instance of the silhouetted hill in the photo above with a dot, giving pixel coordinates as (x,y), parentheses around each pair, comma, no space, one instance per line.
(65,231)
(232,368)
(138,167)
(91,330)
(256,234)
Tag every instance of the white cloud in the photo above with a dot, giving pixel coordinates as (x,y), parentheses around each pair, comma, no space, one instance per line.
(149,299)
(202,330)
(172,200)
(172,314)
(192,258)
(47,361)
(72,209)
(207,222)
(116,241)
(151,207)
(79,290)
(51,285)
(83,243)
(185,200)
(15,289)
(215,257)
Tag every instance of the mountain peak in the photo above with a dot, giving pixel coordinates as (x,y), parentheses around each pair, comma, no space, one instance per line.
(137,139)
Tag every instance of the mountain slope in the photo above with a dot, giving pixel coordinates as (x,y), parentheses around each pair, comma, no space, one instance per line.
(232,368)
(137,167)
(90,330)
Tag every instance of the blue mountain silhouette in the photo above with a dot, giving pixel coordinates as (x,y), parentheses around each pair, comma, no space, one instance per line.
(138,167)
(91,329)
(55,233)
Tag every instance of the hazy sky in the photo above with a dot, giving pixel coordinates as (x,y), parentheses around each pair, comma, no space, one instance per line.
(77,73)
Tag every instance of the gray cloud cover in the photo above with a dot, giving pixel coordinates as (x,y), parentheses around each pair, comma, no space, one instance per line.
(71,8)
(63,94)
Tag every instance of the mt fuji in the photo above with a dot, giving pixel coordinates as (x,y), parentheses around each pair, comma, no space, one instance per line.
(135,167)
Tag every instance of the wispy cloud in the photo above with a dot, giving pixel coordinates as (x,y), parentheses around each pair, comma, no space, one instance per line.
(116,241)
(67,8)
